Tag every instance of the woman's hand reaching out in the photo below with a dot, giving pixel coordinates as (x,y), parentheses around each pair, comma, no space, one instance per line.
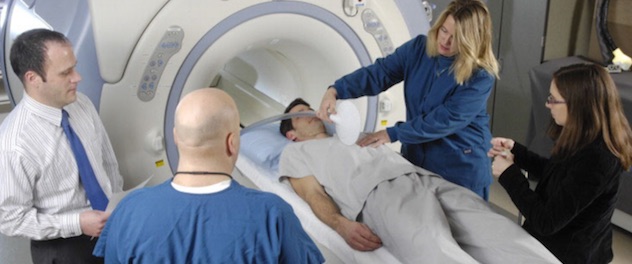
(374,139)
(327,105)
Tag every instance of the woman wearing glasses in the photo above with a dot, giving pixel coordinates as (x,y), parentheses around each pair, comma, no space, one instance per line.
(570,209)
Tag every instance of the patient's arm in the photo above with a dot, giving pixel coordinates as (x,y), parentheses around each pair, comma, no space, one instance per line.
(358,235)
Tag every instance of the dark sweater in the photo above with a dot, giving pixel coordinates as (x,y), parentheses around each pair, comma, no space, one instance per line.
(570,209)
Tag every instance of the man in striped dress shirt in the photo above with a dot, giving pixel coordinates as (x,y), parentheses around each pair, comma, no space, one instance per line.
(41,195)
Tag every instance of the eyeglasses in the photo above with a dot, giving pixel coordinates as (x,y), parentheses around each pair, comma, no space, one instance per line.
(551,100)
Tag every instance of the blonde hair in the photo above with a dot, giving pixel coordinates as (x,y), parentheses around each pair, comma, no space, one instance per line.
(594,110)
(472,37)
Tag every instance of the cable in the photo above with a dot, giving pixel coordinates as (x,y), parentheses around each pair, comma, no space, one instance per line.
(276,118)
(606,44)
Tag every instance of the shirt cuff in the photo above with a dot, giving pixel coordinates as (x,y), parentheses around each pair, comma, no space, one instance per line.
(70,225)
(512,178)
(392,134)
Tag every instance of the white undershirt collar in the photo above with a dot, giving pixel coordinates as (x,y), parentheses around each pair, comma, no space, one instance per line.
(214,188)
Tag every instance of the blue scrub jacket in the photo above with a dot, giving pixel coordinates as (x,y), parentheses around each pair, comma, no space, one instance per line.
(447,125)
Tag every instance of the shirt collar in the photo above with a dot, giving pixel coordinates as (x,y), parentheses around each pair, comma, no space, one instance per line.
(48,113)
(214,188)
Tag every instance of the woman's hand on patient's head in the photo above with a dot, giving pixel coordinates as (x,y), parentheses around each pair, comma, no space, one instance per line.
(327,105)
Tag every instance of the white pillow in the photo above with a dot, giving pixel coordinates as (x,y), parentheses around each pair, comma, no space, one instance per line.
(264,145)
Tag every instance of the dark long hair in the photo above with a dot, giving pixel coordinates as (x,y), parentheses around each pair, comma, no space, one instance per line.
(594,110)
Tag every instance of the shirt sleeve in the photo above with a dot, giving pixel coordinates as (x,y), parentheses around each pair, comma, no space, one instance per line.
(293,162)
(18,216)
(582,182)
(381,75)
(529,161)
(459,110)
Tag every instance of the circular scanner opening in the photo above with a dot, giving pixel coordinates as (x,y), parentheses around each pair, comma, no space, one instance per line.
(265,78)
(265,67)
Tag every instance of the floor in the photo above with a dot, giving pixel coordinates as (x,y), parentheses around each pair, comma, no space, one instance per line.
(622,238)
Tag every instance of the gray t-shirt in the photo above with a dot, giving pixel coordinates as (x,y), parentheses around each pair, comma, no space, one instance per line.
(347,173)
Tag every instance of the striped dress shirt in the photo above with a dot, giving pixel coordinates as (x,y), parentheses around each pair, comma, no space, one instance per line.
(41,195)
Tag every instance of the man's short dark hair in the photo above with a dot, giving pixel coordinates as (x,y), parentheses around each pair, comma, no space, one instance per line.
(286,124)
(28,52)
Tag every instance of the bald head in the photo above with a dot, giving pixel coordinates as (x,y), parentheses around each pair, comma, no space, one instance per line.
(204,118)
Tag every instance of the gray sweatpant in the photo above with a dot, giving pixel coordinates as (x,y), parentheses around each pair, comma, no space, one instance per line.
(426,219)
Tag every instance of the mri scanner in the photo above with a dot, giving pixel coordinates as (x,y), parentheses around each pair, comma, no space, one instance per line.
(138,58)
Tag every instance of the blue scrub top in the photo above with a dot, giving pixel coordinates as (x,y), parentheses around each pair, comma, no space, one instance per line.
(447,125)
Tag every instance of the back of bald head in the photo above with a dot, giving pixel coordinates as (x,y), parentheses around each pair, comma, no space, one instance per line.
(204,118)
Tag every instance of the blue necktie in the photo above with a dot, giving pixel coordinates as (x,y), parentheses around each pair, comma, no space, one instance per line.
(97,198)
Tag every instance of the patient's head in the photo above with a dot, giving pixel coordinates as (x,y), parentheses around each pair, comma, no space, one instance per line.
(207,127)
(304,127)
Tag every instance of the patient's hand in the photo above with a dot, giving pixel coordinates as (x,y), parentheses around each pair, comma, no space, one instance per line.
(359,236)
